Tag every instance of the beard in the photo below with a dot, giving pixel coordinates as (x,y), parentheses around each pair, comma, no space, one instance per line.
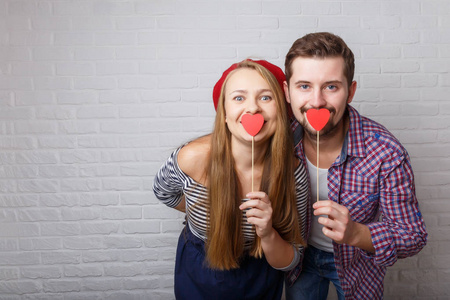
(330,128)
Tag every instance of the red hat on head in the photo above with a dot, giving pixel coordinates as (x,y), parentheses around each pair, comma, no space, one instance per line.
(276,71)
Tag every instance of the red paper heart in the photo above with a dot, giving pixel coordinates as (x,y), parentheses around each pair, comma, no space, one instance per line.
(318,118)
(252,123)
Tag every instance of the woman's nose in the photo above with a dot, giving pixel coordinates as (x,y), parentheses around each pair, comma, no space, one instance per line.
(253,106)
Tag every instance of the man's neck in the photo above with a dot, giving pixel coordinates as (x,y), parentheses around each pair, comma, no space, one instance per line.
(330,145)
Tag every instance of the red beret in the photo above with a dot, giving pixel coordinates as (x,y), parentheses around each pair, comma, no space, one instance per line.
(276,71)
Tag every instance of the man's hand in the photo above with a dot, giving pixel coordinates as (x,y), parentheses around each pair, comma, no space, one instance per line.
(340,227)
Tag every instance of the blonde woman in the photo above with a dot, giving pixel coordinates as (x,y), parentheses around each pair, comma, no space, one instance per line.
(230,248)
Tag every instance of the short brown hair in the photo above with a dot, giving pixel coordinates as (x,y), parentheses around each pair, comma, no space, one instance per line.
(321,45)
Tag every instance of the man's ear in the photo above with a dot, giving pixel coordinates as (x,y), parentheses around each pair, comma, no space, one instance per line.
(286,92)
(351,92)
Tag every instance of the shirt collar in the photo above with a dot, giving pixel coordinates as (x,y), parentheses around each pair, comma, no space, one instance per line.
(354,139)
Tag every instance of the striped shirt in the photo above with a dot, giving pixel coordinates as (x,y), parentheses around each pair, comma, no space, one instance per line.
(373,178)
(171,183)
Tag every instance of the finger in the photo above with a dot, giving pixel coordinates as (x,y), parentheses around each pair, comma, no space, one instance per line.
(260,223)
(327,222)
(330,227)
(328,232)
(258,195)
(259,204)
(335,235)
(333,229)
(329,203)
(334,211)
(334,218)
(327,211)
(322,203)
(249,204)
(258,213)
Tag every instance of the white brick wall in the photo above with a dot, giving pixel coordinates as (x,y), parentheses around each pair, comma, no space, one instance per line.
(95,94)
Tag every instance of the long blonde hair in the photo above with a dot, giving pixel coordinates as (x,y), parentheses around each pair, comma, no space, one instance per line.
(225,241)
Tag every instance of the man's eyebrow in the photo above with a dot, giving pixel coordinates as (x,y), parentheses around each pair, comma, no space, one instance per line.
(334,81)
(301,81)
(326,82)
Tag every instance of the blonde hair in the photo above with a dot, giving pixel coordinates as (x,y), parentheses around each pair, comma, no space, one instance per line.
(225,241)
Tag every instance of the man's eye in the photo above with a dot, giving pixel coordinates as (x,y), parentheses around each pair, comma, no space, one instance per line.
(304,86)
(331,87)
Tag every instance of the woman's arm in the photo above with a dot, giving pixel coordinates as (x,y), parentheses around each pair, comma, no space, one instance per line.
(168,183)
(279,253)
(182,206)
(188,160)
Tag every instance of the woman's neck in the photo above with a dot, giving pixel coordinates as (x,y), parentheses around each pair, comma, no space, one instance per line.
(242,155)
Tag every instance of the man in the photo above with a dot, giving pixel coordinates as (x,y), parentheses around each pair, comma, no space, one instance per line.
(368,215)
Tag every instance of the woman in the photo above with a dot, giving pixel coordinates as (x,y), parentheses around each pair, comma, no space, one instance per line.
(230,248)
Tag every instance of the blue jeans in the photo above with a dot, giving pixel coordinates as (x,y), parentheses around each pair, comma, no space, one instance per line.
(313,282)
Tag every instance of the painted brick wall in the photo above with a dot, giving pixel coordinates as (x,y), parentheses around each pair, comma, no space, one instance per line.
(94,95)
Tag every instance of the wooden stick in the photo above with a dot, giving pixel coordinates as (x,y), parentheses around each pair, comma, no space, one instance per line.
(317,165)
(253,157)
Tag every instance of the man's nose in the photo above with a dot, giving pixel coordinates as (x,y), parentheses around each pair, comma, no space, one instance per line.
(318,99)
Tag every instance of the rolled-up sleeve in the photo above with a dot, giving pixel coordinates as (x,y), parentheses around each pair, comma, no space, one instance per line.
(401,231)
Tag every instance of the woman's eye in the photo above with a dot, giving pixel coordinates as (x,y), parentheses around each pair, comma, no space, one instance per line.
(266,98)
(239,98)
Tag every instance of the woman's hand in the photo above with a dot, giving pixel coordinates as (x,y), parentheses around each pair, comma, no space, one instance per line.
(278,252)
(259,213)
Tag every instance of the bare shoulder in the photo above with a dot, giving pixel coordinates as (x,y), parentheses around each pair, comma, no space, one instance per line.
(194,157)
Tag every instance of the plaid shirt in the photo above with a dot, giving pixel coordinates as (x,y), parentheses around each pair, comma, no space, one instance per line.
(373,178)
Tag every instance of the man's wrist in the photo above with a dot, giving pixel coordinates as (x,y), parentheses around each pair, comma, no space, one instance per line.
(362,238)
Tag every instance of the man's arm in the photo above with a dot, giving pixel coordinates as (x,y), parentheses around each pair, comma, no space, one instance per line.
(401,232)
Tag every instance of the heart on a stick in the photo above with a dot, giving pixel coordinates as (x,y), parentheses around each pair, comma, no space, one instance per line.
(252,123)
(318,118)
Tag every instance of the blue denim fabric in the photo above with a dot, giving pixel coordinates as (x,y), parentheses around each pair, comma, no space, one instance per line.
(255,279)
(318,271)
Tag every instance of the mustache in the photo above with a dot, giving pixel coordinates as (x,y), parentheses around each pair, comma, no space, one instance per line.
(305,109)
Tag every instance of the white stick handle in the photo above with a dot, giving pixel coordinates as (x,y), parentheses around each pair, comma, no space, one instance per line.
(317,165)
(253,157)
